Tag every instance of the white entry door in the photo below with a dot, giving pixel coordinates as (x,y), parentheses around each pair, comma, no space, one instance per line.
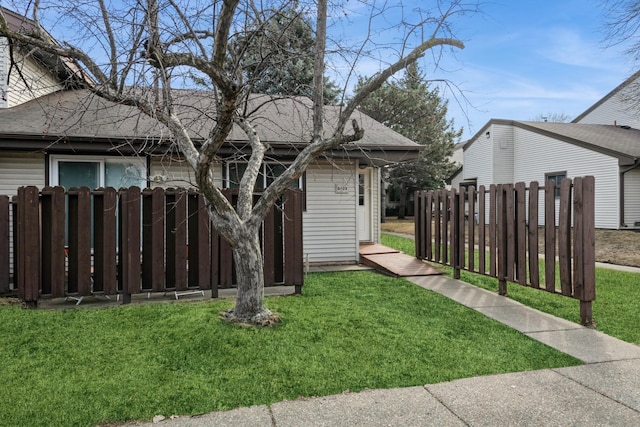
(364,205)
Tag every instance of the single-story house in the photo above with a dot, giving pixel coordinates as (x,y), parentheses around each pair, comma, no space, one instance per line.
(53,131)
(604,142)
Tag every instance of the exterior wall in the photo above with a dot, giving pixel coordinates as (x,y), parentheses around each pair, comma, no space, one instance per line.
(536,155)
(18,169)
(376,194)
(478,162)
(617,110)
(330,229)
(4,68)
(502,139)
(41,80)
(632,197)
(169,172)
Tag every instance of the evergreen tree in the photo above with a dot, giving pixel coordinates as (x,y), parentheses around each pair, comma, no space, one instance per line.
(410,107)
(280,54)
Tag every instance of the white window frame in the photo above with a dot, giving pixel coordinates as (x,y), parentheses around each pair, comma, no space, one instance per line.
(54,161)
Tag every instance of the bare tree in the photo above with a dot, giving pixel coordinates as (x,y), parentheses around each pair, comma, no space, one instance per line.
(553,118)
(149,44)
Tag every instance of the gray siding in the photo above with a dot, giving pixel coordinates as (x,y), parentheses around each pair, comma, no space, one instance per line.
(4,68)
(502,139)
(632,197)
(617,110)
(478,161)
(18,169)
(41,81)
(329,224)
(169,172)
(537,155)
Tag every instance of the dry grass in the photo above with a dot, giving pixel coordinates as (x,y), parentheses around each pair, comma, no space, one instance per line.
(612,246)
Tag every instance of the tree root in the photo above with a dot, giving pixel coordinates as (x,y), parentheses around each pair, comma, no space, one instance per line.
(264,318)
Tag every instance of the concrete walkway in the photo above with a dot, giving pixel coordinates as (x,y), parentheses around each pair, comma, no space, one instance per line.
(605,391)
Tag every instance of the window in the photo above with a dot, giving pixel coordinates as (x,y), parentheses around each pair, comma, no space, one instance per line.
(95,172)
(557,178)
(268,173)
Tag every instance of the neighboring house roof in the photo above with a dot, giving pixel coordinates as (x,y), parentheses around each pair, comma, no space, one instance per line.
(78,120)
(608,96)
(616,141)
(64,69)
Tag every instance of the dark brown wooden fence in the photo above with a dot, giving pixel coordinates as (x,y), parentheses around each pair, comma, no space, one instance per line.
(109,242)
(501,226)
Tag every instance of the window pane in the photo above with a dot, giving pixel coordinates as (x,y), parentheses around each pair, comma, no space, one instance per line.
(236,170)
(78,174)
(119,175)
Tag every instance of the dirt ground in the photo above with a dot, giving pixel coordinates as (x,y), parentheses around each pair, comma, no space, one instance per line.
(612,246)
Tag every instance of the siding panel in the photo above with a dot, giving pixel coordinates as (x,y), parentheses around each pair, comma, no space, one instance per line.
(632,197)
(536,155)
(41,82)
(18,169)
(329,224)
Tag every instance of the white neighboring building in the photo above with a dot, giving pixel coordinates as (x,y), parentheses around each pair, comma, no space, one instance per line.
(604,142)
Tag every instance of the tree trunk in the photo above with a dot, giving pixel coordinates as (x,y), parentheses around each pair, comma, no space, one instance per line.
(247,258)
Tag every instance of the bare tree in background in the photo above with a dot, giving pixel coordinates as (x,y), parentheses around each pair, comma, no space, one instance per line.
(135,52)
(553,118)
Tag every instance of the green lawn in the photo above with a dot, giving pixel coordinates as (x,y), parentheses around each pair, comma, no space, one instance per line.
(616,310)
(348,331)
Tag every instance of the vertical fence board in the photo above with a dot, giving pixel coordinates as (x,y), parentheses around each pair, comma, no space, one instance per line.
(105,266)
(550,236)
(428,230)
(153,239)
(578,242)
(511,230)
(502,225)
(471,222)
(534,273)
(446,217)
(419,224)
(28,245)
(458,217)
(294,272)
(437,220)
(129,242)
(5,262)
(53,251)
(493,243)
(564,237)
(482,238)
(176,235)
(268,242)
(521,233)
(199,232)
(588,239)
(79,241)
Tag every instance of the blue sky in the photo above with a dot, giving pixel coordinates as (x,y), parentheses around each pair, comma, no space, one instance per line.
(527,58)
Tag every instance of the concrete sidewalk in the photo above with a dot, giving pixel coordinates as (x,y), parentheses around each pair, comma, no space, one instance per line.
(603,392)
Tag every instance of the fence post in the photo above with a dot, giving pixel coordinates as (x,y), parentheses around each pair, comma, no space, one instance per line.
(28,246)
(4,244)
(79,241)
(584,247)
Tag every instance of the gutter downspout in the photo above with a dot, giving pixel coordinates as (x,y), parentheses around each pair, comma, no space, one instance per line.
(636,164)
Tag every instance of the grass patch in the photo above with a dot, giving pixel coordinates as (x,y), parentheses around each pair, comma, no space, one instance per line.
(616,310)
(349,331)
